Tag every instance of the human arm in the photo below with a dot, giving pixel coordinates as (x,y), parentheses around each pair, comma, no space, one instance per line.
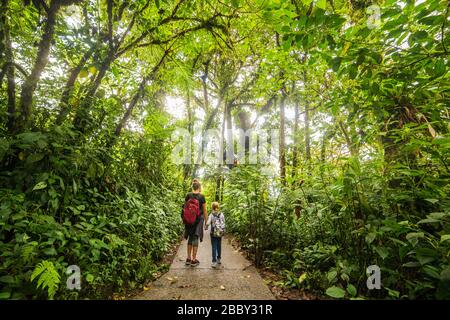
(207,222)
(182,207)
(205,214)
(223,222)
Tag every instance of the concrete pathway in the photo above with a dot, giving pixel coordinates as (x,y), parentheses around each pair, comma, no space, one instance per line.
(237,279)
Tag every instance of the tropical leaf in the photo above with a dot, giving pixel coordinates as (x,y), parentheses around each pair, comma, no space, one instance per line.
(48,277)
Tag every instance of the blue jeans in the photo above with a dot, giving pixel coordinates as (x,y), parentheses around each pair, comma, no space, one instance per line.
(216,243)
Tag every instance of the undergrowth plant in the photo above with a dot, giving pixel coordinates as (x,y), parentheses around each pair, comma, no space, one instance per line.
(113,217)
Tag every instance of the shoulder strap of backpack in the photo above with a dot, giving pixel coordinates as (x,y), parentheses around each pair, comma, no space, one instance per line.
(187,198)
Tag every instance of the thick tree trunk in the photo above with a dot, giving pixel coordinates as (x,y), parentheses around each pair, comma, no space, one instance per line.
(30,83)
(9,67)
(245,125)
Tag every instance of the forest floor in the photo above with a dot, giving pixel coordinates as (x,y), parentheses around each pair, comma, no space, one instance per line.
(236,278)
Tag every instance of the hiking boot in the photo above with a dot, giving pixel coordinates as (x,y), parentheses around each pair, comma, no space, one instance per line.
(195,263)
(188,262)
(218,261)
(214,265)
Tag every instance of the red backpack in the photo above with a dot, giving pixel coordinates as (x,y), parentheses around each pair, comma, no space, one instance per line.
(191,211)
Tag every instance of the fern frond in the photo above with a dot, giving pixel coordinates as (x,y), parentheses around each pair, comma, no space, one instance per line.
(28,250)
(48,277)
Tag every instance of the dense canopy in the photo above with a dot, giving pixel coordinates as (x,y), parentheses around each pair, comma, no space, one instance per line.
(353,94)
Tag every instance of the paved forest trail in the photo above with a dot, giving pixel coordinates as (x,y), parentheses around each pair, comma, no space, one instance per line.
(235,279)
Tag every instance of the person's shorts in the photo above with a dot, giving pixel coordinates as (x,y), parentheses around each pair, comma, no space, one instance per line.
(193,240)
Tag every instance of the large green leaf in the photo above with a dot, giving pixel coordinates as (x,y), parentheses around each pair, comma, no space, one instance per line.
(40,185)
(335,292)
(351,290)
(413,237)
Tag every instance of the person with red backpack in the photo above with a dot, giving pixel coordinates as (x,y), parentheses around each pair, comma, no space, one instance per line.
(194,215)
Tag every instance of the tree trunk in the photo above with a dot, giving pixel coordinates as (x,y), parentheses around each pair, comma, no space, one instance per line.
(222,135)
(323,148)
(138,94)
(188,166)
(307,120)
(307,135)
(64,102)
(30,83)
(350,145)
(205,88)
(81,114)
(295,149)
(405,113)
(230,142)
(210,118)
(9,68)
(206,127)
(218,187)
(282,139)
(245,125)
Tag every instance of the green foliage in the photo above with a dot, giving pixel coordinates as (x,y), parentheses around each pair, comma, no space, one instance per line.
(335,292)
(375,189)
(113,216)
(85,174)
(48,277)
(343,227)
